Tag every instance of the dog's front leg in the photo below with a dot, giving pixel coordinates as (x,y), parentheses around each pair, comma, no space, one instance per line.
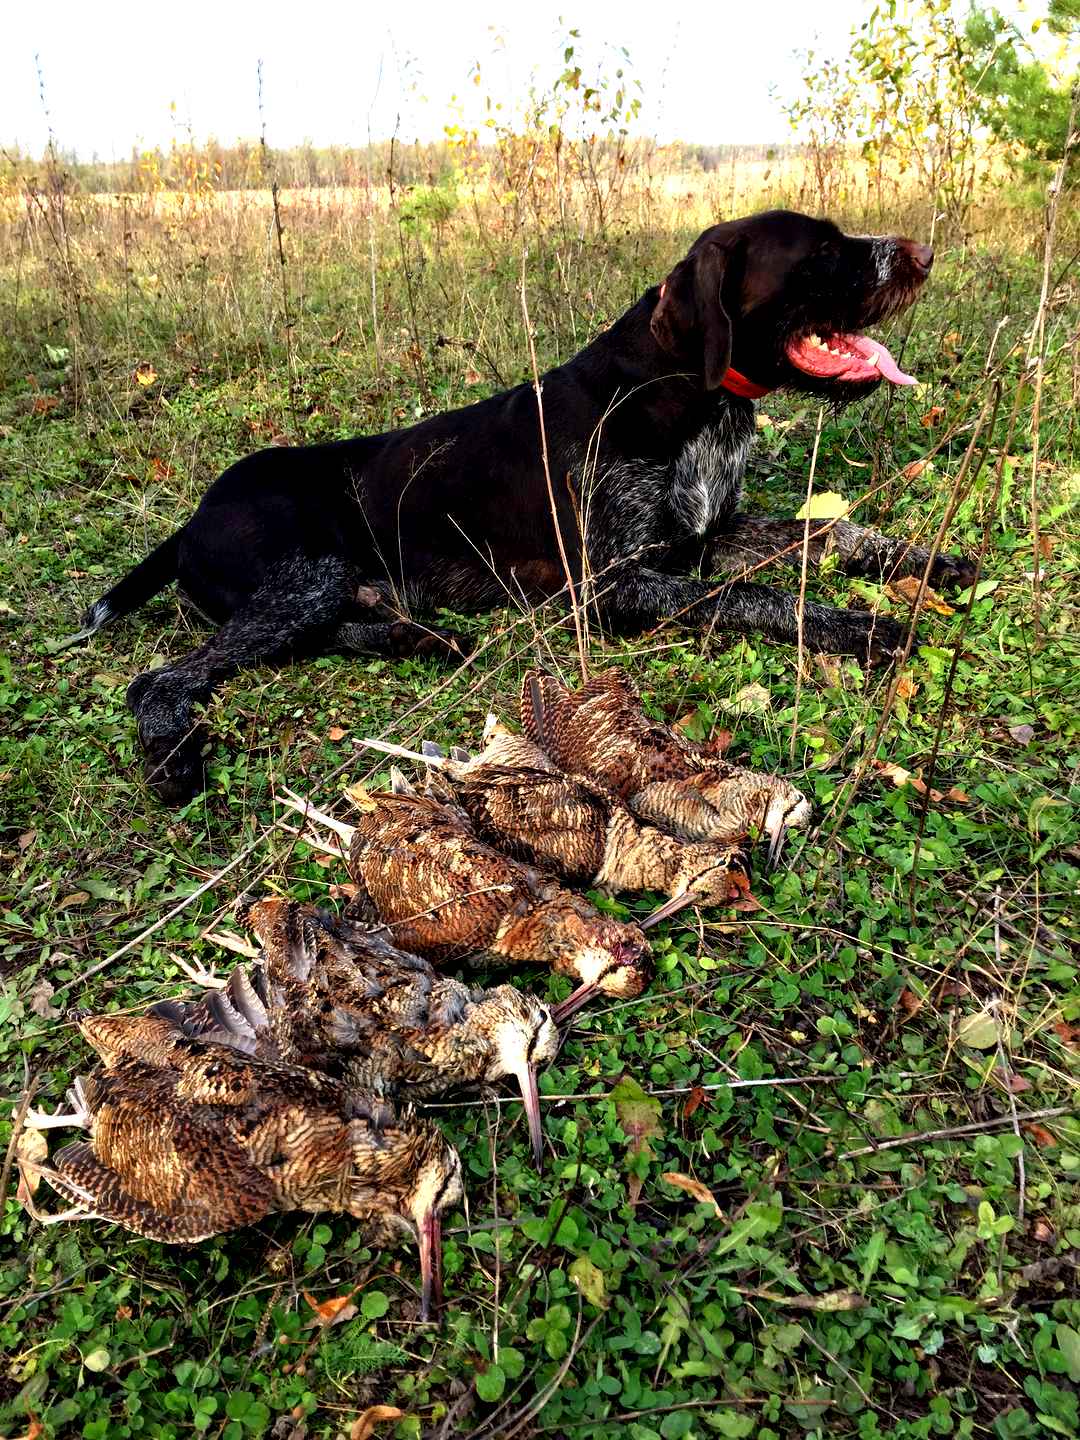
(639,598)
(293,611)
(754,542)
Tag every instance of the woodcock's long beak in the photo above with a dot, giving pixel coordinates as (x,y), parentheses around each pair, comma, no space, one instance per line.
(669,908)
(431,1280)
(531,1096)
(776,845)
(574,1001)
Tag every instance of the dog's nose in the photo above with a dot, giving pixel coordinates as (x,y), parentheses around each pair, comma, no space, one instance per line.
(922,256)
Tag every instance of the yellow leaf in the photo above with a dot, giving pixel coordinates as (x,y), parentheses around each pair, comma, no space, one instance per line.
(701,1193)
(335,733)
(828,505)
(752,699)
(145,375)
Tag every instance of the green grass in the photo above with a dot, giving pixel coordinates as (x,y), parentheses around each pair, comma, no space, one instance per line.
(893,1292)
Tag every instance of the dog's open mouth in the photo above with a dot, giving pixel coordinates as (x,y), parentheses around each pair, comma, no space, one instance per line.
(845,357)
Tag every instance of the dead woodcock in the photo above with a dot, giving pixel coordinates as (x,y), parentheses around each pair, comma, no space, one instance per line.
(517,799)
(445,894)
(601,731)
(335,995)
(189,1139)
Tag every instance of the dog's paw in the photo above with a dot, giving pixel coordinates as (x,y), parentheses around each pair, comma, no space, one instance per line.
(430,642)
(174,765)
(952,572)
(138,690)
(872,639)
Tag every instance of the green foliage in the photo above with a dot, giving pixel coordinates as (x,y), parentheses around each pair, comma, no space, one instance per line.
(1018,96)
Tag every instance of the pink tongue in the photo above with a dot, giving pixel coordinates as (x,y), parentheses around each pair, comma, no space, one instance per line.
(886,365)
(865,360)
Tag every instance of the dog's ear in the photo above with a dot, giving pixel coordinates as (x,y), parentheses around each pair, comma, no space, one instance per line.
(690,321)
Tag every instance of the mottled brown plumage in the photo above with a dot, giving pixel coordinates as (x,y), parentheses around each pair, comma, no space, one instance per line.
(602,731)
(333,994)
(190,1139)
(445,894)
(516,799)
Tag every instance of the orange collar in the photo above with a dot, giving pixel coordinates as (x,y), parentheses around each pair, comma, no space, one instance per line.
(745,389)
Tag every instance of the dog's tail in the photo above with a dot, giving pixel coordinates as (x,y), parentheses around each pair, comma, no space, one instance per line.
(137,586)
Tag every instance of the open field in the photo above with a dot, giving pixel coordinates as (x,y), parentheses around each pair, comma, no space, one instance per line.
(913,966)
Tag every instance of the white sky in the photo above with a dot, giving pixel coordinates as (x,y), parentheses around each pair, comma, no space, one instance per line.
(112,68)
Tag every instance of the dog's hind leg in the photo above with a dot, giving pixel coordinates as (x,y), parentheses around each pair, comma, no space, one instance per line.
(756,541)
(294,611)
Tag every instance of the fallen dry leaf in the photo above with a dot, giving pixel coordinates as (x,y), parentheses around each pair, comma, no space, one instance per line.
(909,1002)
(335,733)
(1015,1084)
(1067,1034)
(701,1193)
(44,403)
(914,470)
(829,665)
(39,997)
(1046,547)
(364,1425)
(906,589)
(473,377)
(905,687)
(345,891)
(694,1101)
(1041,1136)
(33,1148)
(932,416)
(78,897)
(1043,1233)
(145,375)
(1022,734)
(334,1311)
(26,839)
(831,1301)
(719,742)
(901,777)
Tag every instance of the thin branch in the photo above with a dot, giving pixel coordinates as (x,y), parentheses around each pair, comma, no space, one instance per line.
(1026,1117)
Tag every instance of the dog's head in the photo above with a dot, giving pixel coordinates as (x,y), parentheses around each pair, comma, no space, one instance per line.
(782,298)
